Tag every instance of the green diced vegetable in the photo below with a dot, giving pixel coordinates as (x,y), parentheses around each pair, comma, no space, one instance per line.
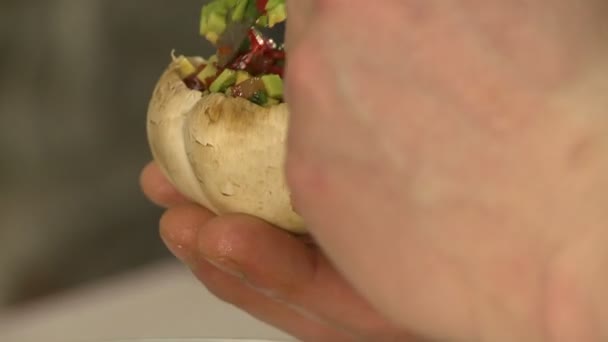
(276,15)
(259,97)
(273,85)
(209,71)
(252,10)
(230,3)
(274,3)
(239,10)
(212,60)
(215,18)
(216,25)
(185,67)
(242,76)
(262,21)
(223,81)
(272,102)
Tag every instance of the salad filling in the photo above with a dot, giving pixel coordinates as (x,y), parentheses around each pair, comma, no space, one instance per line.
(254,70)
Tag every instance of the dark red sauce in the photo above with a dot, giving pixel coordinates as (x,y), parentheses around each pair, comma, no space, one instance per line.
(263,57)
(261,5)
(193,82)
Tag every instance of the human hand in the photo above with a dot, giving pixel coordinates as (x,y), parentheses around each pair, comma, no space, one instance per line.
(466,142)
(276,277)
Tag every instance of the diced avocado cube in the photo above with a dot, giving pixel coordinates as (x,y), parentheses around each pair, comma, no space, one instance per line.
(276,15)
(239,10)
(209,71)
(212,60)
(223,81)
(185,67)
(216,6)
(212,37)
(273,85)
(213,20)
(204,14)
(216,23)
(274,3)
(262,21)
(251,12)
(230,3)
(242,76)
(272,102)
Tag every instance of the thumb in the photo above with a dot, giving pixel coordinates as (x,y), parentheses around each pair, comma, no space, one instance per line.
(299,14)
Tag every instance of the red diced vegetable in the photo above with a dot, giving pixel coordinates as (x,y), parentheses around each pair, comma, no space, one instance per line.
(261,5)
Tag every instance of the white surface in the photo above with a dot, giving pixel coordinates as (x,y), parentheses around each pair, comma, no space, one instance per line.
(199,340)
(162,301)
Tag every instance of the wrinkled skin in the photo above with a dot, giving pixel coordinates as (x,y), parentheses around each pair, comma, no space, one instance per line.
(466,143)
(452,163)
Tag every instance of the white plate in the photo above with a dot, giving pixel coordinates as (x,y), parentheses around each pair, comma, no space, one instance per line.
(195,340)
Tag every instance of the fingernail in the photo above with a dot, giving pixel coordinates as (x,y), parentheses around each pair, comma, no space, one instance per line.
(227,266)
(178,251)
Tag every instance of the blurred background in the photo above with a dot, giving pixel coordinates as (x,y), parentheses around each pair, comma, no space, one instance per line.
(75,79)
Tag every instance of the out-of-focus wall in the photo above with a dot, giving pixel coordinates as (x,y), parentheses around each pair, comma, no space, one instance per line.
(75,78)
